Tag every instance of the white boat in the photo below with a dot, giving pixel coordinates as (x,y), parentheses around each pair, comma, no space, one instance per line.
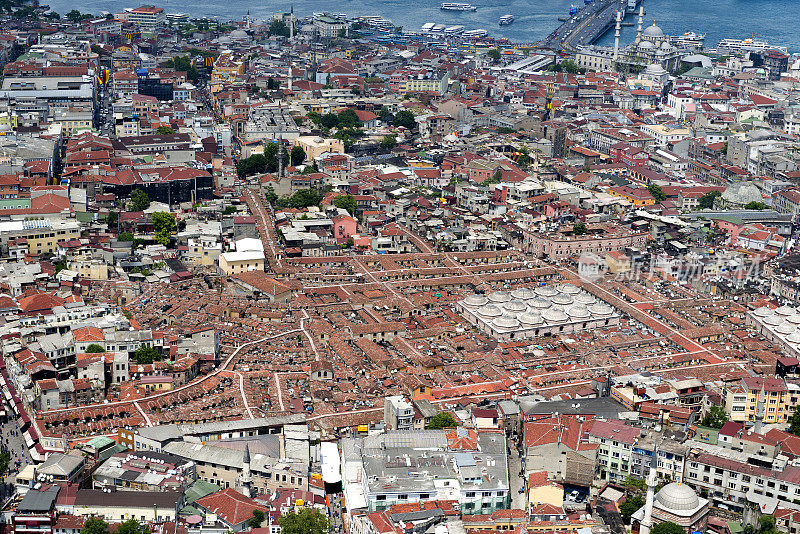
(457,6)
(428,26)
(688,40)
(505,20)
(475,34)
(438,28)
(453,30)
(747,45)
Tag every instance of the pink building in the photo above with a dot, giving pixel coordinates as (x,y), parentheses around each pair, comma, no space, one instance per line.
(344,226)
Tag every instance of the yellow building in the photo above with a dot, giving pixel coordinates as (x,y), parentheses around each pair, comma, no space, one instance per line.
(638,196)
(541,490)
(241,262)
(226,68)
(770,395)
(617,262)
(316,146)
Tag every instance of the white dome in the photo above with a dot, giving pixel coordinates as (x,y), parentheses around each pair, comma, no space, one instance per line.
(785,310)
(506,322)
(578,311)
(601,309)
(794,319)
(585,298)
(515,306)
(475,300)
(785,328)
(490,310)
(653,31)
(675,497)
(562,299)
(667,47)
(569,289)
(500,296)
(764,311)
(546,291)
(554,316)
(654,69)
(530,318)
(794,338)
(539,303)
(522,293)
(646,45)
(239,34)
(773,320)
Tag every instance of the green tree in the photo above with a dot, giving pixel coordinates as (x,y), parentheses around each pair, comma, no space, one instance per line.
(94,348)
(140,200)
(405,119)
(657,192)
(442,420)
(146,355)
(766,524)
(305,198)
(348,119)
(273,84)
(667,527)
(329,120)
(631,504)
(755,205)
(5,459)
(164,226)
(185,64)
(257,519)
(297,156)
(494,54)
(570,67)
(164,130)
(306,521)
(715,418)
(385,115)
(633,483)
(278,28)
(388,142)
(94,525)
(74,15)
(794,422)
(346,202)
(125,237)
(579,228)
(707,200)
(229,210)
(112,218)
(132,526)
(496,178)
(255,164)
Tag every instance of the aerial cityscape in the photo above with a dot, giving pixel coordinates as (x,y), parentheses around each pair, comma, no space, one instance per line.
(385,268)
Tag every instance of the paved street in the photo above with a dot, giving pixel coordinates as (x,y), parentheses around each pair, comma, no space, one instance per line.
(516,481)
(12,441)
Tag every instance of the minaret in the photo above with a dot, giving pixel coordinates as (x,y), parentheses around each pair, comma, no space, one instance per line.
(641,21)
(647,521)
(246,478)
(291,38)
(616,35)
(760,409)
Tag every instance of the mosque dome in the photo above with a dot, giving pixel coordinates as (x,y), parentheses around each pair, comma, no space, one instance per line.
(239,35)
(646,45)
(653,31)
(675,497)
(655,69)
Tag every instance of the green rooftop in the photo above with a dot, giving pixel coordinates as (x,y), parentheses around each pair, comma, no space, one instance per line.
(200,489)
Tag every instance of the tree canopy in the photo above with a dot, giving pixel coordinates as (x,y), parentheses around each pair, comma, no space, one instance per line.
(257,519)
(707,200)
(715,418)
(794,422)
(631,504)
(132,526)
(139,199)
(306,521)
(164,226)
(165,130)
(579,228)
(405,119)
(657,192)
(388,142)
(442,420)
(94,348)
(146,355)
(667,527)
(494,54)
(755,205)
(94,525)
(279,28)
(346,202)
(297,156)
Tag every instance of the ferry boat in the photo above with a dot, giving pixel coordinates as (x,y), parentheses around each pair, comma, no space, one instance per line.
(688,40)
(457,6)
(750,44)
(454,30)
(475,34)
(505,20)
(428,26)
